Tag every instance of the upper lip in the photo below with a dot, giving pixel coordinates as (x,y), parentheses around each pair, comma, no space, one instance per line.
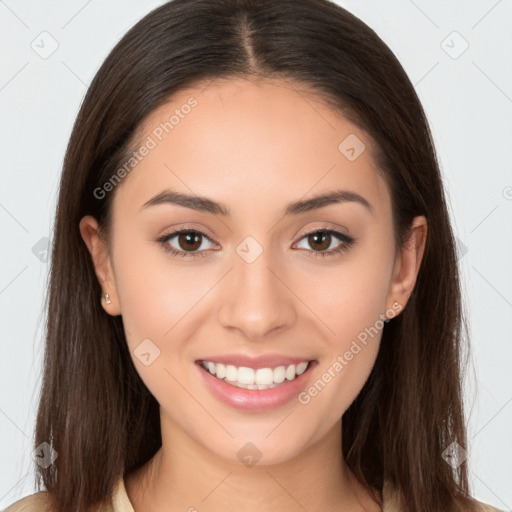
(262,361)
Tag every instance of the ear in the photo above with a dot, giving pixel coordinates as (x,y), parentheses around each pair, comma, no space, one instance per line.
(407,265)
(102,265)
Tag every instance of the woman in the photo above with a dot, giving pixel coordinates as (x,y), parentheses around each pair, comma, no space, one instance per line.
(254,299)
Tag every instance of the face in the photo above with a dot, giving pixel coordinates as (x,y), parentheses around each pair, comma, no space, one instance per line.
(255,276)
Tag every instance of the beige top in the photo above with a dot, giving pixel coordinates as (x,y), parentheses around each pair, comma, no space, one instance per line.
(120,502)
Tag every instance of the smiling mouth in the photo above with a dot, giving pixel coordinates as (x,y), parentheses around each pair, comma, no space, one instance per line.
(258,379)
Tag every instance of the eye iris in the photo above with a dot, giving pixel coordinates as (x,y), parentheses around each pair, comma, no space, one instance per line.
(193,238)
(317,238)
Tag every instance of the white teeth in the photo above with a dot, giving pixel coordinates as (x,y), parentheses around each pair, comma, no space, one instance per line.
(280,374)
(221,371)
(231,373)
(261,378)
(301,368)
(245,375)
(264,376)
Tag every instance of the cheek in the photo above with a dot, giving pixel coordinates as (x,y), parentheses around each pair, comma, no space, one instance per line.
(347,297)
(156,300)
(163,302)
(155,292)
(350,299)
(338,382)
(349,350)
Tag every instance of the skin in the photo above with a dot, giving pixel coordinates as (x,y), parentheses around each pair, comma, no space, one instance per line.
(284,302)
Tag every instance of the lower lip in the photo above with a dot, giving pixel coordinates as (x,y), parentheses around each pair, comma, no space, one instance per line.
(256,399)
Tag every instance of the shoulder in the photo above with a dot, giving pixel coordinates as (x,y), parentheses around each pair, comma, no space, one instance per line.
(393,502)
(471,504)
(483,507)
(38,502)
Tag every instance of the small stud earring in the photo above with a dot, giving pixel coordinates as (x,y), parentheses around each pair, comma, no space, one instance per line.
(397,306)
(106,296)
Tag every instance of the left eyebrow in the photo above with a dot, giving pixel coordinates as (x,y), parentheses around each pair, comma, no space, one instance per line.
(204,204)
(335,197)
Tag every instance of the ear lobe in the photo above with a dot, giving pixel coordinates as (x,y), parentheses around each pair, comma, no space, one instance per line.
(408,263)
(98,250)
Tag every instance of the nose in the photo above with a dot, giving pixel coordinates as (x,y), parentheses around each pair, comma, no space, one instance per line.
(256,299)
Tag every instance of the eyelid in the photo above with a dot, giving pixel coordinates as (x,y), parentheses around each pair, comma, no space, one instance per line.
(325,226)
(179,231)
(345,241)
(170,234)
(186,227)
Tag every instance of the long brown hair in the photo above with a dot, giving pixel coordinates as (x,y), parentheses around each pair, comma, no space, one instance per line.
(94,409)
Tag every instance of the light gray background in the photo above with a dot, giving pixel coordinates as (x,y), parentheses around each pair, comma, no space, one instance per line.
(468,100)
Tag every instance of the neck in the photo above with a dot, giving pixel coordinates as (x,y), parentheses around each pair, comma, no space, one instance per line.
(186,476)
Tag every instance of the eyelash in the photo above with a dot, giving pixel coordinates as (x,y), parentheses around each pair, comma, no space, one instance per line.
(346,240)
(347,243)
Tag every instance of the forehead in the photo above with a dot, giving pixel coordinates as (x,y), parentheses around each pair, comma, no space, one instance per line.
(240,141)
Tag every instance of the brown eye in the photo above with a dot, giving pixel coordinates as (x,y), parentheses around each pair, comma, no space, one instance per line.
(190,241)
(320,240)
(186,242)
